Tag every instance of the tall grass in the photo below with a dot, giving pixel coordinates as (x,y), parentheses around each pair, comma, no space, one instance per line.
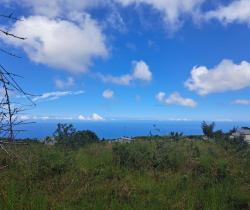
(156,173)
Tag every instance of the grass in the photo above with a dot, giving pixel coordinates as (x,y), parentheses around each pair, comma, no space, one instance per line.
(157,173)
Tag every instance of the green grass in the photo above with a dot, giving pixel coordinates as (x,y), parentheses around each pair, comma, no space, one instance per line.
(152,174)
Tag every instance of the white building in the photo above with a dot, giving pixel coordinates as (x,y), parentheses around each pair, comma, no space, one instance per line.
(124,139)
(244,132)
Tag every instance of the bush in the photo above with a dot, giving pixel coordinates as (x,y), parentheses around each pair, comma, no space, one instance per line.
(133,155)
(81,138)
(176,135)
(66,135)
(237,144)
(50,163)
(144,155)
(208,129)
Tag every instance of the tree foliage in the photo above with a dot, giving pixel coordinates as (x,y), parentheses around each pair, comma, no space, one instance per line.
(67,135)
(208,129)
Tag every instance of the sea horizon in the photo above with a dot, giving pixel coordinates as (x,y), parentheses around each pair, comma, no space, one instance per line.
(117,128)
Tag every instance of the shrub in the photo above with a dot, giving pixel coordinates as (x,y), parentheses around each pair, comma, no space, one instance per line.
(50,163)
(208,129)
(176,135)
(66,135)
(81,138)
(143,155)
(133,155)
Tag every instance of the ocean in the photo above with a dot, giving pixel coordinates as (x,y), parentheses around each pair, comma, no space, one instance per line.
(116,129)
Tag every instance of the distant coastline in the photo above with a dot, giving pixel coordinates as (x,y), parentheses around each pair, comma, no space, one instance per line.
(116,129)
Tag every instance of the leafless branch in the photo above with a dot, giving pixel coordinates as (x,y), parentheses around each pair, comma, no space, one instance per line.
(11,34)
(10,16)
(10,110)
(9,53)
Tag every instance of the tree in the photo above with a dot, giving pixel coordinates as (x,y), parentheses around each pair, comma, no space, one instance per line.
(208,129)
(82,138)
(66,135)
(9,110)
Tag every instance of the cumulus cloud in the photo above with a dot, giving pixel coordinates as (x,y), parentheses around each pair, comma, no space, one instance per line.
(60,44)
(64,84)
(175,98)
(108,94)
(236,11)
(141,71)
(227,76)
(50,96)
(245,102)
(172,10)
(93,117)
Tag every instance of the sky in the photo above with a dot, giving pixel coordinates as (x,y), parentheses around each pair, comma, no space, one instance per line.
(96,60)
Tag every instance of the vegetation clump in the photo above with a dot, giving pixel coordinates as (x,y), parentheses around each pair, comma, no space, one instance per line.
(66,135)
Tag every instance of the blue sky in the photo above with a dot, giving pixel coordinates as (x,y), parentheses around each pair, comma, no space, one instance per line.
(95,60)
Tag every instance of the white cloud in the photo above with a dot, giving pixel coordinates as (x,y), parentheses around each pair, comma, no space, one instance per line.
(59,43)
(35,117)
(24,117)
(64,84)
(55,95)
(108,94)
(97,117)
(175,98)
(81,117)
(179,119)
(245,102)
(236,11)
(226,76)
(141,71)
(93,117)
(55,8)
(118,80)
(160,96)
(29,117)
(115,21)
(172,10)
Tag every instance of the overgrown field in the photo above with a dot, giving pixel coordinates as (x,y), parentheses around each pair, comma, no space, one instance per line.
(157,173)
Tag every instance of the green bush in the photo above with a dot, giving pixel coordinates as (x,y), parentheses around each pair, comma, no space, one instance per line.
(208,129)
(50,163)
(145,155)
(133,155)
(66,135)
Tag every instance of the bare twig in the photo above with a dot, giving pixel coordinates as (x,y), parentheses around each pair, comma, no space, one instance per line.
(9,53)
(11,34)
(10,16)
(9,110)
